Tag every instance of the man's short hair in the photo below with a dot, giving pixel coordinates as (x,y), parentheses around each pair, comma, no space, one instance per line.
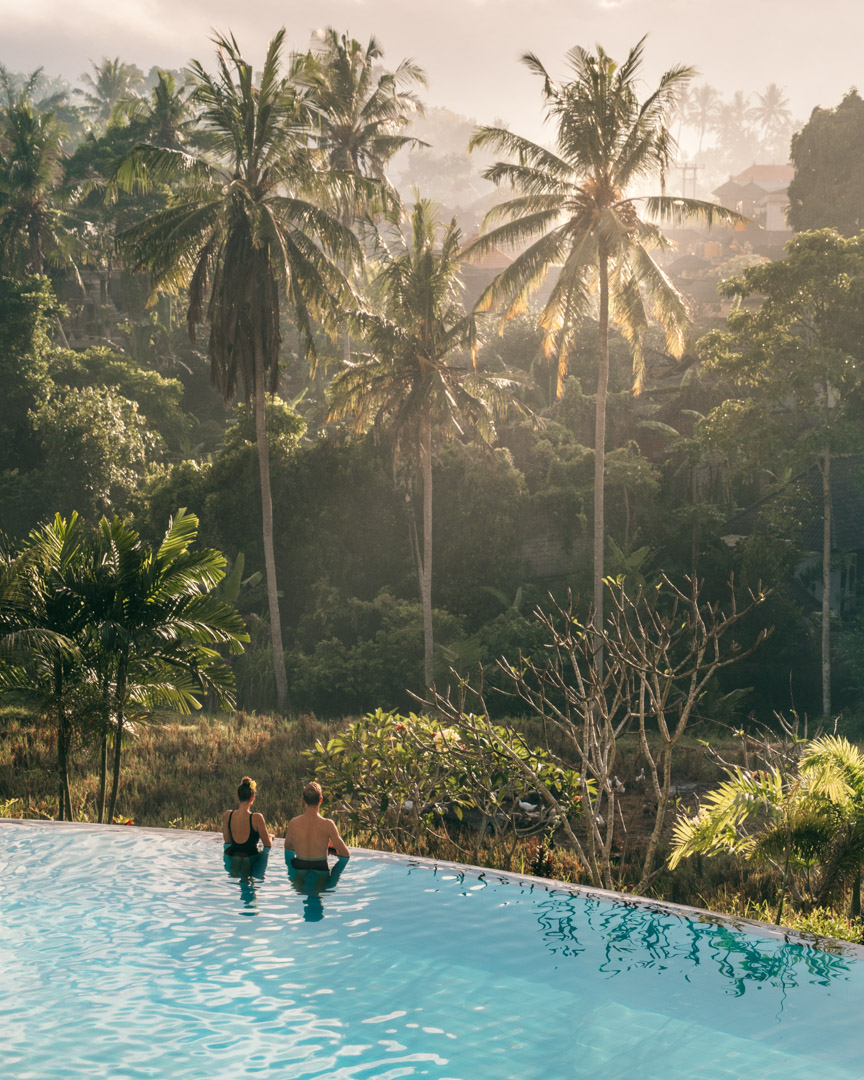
(312,793)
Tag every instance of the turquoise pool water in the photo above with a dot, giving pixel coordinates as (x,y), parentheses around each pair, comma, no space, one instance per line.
(131,954)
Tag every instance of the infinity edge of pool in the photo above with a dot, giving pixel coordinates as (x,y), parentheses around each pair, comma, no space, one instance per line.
(835,946)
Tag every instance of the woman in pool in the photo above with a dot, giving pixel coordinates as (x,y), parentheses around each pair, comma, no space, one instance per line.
(241,828)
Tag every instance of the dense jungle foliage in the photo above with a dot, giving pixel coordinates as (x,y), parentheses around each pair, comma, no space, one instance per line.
(218,317)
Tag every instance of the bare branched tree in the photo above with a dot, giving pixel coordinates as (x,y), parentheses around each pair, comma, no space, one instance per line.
(664,647)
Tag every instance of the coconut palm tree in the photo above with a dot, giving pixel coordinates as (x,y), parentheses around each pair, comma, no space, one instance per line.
(419,378)
(360,110)
(732,124)
(359,116)
(703,102)
(573,208)
(37,225)
(242,235)
(772,112)
(167,116)
(43,622)
(110,85)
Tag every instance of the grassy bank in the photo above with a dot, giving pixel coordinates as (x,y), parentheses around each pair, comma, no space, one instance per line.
(180,773)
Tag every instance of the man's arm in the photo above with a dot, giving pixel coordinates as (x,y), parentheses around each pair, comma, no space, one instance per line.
(335,841)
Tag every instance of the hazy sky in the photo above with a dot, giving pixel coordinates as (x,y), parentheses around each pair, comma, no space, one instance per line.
(470,48)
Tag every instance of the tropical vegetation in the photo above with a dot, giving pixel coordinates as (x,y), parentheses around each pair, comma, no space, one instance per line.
(292,302)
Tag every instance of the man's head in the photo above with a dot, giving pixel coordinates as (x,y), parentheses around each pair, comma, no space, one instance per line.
(312,793)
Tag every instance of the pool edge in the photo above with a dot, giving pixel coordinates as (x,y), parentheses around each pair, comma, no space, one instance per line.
(831,945)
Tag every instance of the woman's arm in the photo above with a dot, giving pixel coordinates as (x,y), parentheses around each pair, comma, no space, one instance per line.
(261,829)
(226,836)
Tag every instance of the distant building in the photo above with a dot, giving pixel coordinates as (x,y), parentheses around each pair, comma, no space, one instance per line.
(759,193)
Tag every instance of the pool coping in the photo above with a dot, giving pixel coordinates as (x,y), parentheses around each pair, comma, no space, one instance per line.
(835,946)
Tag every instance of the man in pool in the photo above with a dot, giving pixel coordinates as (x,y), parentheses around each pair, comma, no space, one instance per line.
(310,837)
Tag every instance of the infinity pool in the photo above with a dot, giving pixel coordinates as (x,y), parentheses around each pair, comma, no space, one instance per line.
(134,953)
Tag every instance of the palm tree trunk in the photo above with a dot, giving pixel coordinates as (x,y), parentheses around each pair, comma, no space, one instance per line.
(120,707)
(826,582)
(347,221)
(103,775)
(426,572)
(103,757)
(600,451)
(64,798)
(276,647)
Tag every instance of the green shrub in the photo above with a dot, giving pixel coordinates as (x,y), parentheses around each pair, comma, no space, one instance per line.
(821,920)
(402,777)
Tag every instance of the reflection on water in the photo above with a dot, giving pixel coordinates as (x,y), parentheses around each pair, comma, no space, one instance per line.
(416,975)
(312,883)
(249,870)
(633,937)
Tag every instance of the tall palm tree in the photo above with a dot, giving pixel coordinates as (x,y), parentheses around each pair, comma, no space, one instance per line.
(111,83)
(772,111)
(242,236)
(703,102)
(36,220)
(359,116)
(361,110)
(419,378)
(732,123)
(573,209)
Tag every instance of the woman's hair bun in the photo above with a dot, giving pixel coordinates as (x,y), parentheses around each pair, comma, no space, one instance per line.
(246,789)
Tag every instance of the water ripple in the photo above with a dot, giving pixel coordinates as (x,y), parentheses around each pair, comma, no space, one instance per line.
(141,956)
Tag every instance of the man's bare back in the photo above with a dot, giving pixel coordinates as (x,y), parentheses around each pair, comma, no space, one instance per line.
(311,836)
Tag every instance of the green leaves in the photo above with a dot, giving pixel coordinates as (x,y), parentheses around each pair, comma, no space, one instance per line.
(399,775)
(572,208)
(108,616)
(809,819)
(245,230)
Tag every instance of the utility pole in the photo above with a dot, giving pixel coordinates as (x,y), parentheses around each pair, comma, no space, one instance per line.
(688,172)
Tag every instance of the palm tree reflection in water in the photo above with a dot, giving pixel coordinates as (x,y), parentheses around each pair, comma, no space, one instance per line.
(637,937)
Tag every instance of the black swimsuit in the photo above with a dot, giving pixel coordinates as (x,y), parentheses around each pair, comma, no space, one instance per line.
(249,845)
(310,864)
